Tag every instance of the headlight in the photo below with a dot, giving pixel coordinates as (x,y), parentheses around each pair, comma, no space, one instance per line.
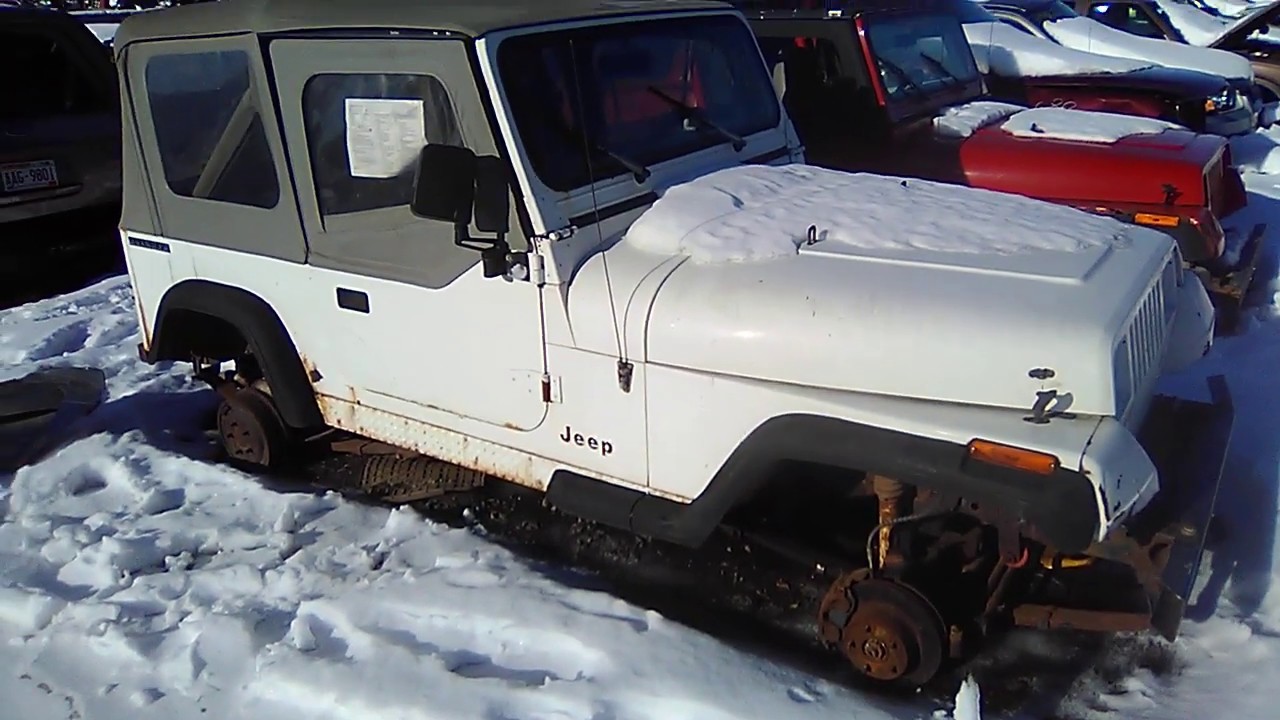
(1225,100)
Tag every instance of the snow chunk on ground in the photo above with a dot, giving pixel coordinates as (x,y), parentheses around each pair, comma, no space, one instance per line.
(1082,125)
(968,701)
(1198,27)
(1258,151)
(1009,52)
(1089,35)
(964,120)
(762,212)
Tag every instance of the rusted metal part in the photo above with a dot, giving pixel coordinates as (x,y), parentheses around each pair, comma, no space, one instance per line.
(251,430)
(1148,559)
(1227,288)
(887,629)
(399,480)
(1046,617)
(998,586)
(469,451)
(894,502)
(362,446)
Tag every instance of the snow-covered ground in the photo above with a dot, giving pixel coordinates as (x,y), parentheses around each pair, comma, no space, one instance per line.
(138,580)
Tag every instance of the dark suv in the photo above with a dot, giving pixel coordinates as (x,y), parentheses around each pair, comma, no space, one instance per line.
(59,118)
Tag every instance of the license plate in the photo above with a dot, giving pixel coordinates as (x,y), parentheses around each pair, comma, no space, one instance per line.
(16,177)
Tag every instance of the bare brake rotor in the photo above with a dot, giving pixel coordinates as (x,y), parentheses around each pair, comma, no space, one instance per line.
(887,629)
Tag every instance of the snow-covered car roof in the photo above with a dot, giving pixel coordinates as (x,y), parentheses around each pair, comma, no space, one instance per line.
(1196,26)
(1004,50)
(1082,33)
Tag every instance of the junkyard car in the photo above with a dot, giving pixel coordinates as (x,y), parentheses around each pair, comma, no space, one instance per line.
(922,111)
(1202,101)
(59,117)
(573,246)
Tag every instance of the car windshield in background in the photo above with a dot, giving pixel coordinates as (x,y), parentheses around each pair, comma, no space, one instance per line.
(920,55)
(50,83)
(627,96)
(1056,10)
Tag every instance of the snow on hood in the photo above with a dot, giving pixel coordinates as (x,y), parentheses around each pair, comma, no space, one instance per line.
(1009,52)
(1086,34)
(1082,125)
(757,213)
(964,120)
(1198,27)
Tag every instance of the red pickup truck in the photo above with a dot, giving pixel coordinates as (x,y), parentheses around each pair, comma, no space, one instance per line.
(893,88)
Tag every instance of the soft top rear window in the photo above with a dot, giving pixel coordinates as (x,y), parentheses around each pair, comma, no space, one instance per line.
(599,91)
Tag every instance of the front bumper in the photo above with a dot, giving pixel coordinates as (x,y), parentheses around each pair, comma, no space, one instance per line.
(1188,441)
(1233,122)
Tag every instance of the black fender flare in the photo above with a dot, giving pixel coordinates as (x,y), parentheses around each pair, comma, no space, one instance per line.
(260,327)
(1062,507)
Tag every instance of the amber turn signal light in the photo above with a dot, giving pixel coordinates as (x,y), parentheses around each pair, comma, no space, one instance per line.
(1013,457)
(1157,220)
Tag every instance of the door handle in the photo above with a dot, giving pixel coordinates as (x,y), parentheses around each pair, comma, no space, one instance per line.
(356,300)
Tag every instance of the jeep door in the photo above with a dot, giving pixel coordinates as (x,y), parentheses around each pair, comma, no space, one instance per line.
(415,328)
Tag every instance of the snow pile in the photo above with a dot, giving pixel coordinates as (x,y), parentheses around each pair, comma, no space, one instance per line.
(762,212)
(1197,26)
(961,121)
(1089,35)
(1082,125)
(1258,151)
(1006,51)
(968,701)
(139,582)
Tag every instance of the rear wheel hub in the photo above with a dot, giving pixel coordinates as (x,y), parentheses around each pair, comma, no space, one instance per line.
(251,429)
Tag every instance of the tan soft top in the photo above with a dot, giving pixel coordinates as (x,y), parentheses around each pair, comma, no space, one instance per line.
(469,17)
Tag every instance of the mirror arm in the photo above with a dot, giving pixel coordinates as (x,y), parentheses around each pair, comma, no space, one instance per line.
(495,253)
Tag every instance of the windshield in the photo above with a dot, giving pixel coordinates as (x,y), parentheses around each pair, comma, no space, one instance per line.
(629,95)
(920,55)
(1056,10)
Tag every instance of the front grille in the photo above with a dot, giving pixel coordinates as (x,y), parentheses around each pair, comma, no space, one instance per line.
(1142,345)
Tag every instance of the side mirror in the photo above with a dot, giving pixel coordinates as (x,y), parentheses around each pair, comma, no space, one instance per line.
(445,183)
(492,195)
(452,184)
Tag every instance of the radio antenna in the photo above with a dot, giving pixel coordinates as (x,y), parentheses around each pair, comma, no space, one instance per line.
(624,366)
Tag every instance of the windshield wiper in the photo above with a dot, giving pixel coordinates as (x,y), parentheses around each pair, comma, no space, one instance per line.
(937,65)
(640,172)
(902,74)
(689,112)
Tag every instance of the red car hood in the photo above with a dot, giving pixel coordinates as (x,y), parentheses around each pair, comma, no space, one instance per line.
(1132,169)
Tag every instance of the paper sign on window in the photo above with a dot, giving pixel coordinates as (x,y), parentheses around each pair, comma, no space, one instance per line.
(383,136)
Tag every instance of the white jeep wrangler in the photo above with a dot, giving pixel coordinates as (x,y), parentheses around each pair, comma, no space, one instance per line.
(572,246)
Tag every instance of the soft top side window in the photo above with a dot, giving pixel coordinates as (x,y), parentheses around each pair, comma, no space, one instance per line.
(386,110)
(209,132)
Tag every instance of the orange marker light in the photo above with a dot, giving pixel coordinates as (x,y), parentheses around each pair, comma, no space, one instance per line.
(1013,457)
(1157,220)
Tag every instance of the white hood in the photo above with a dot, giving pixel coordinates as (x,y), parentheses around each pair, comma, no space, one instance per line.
(1089,35)
(932,291)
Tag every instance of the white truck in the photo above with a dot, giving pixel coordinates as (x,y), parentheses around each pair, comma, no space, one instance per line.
(574,246)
